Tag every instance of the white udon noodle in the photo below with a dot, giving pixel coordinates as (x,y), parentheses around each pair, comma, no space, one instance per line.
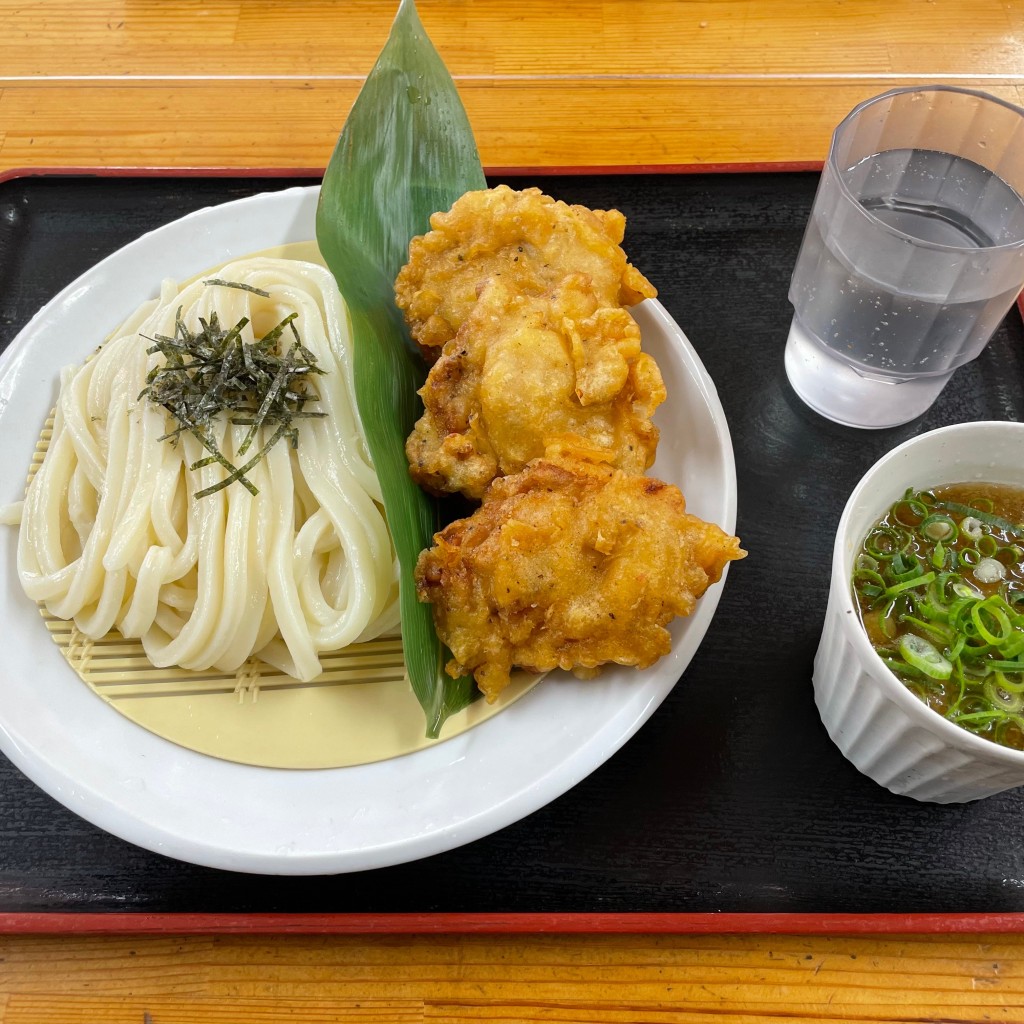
(111,534)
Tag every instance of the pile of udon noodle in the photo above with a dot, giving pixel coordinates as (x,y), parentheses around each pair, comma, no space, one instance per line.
(113,536)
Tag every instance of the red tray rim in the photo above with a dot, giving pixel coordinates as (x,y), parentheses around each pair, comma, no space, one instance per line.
(41,923)
(682,923)
(141,923)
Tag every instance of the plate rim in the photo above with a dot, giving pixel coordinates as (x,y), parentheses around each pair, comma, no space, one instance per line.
(85,799)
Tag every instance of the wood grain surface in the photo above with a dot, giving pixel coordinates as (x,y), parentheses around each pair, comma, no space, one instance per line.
(661,84)
(664,83)
(699,980)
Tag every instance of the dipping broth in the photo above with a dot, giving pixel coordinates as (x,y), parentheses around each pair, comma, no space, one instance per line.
(939,581)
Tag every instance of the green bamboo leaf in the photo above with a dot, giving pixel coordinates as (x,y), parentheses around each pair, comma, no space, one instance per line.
(406,151)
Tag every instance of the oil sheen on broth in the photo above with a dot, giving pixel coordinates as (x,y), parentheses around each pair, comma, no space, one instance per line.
(939,581)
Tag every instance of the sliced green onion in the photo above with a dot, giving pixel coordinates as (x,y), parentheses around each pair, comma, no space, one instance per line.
(939,526)
(1009,685)
(886,541)
(987,545)
(916,581)
(924,656)
(980,718)
(918,689)
(1010,555)
(930,610)
(943,634)
(1013,648)
(971,526)
(989,617)
(901,668)
(1002,699)
(970,556)
(969,704)
(869,576)
(983,515)
(905,566)
(954,651)
(909,512)
(886,623)
(1010,732)
(989,570)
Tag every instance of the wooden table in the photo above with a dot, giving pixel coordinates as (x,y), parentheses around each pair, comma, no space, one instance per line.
(664,84)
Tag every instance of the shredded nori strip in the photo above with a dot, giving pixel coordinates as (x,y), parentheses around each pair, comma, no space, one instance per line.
(213,371)
(237,284)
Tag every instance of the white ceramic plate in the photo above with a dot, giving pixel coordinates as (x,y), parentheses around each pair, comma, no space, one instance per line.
(212,812)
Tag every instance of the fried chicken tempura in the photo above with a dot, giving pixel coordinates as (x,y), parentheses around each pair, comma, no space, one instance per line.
(526,238)
(523,372)
(568,564)
(526,295)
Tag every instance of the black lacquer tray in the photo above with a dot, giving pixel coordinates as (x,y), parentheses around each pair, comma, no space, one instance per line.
(732,798)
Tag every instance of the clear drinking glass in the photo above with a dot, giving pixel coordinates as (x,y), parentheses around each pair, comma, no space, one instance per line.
(913,253)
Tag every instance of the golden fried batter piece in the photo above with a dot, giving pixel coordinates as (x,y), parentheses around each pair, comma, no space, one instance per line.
(568,564)
(525,371)
(525,238)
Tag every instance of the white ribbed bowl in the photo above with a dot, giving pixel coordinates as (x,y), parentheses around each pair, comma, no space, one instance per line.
(879,725)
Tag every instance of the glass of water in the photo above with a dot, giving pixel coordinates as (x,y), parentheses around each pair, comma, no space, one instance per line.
(913,254)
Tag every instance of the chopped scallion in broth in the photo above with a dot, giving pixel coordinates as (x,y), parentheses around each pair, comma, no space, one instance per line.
(939,581)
